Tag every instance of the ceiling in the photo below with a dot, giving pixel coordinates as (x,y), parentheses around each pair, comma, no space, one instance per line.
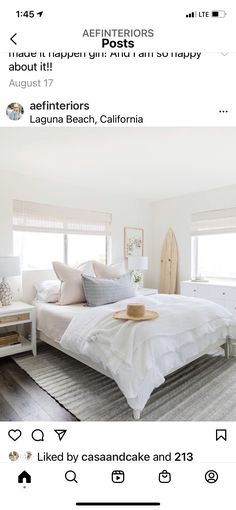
(150,163)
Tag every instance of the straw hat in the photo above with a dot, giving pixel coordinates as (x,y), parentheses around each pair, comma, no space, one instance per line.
(136,312)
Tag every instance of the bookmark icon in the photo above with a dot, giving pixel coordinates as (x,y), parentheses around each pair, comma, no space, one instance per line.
(221,434)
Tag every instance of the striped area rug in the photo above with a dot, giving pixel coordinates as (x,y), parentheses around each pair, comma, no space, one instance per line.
(204,390)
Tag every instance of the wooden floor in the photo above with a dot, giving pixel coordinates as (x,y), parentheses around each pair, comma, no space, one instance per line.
(21,399)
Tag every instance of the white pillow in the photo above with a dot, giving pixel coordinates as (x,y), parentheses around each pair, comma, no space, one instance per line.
(112,271)
(71,284)
(48,291)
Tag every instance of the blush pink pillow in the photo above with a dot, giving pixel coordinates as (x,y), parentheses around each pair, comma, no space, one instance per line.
(71,284)
(112,271)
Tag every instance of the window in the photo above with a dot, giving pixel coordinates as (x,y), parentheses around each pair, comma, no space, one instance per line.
(38,249)
(83,247)
(216,256)
(214,244)
(43,233)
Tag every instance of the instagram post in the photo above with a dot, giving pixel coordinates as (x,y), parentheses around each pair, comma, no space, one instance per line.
(132,251)
(117,255)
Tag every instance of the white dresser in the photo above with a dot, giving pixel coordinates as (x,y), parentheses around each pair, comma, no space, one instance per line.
(147,292)
(222,293)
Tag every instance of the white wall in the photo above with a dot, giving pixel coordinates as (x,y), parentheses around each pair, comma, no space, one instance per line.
(176,213)
(125,211)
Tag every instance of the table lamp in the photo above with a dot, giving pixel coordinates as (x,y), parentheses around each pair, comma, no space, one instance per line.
(9,266)
(137,264)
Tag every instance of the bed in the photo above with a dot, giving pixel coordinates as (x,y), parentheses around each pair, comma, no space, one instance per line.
(141,363)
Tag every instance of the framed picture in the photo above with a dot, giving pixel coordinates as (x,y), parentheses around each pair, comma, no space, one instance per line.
(133,241)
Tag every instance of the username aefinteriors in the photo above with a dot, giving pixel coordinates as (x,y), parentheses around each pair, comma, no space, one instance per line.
(84,116)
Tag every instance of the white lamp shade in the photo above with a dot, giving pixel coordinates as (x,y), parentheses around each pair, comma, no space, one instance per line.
(9,266)
(137,263)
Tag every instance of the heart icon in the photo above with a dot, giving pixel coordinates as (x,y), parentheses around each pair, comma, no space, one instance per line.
(14,434)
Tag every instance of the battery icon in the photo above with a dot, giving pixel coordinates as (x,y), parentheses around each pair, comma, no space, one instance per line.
(218,14)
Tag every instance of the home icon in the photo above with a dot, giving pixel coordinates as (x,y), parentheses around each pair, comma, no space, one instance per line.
(24,477)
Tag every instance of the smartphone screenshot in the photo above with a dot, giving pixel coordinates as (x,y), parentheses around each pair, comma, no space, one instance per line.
(117,255)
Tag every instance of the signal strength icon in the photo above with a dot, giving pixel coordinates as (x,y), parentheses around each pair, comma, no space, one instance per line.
(191,14)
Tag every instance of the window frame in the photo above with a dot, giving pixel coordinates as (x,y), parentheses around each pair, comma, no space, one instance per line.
(194,256)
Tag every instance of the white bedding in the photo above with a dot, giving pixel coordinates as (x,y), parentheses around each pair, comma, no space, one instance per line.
(140,354)
(52,319)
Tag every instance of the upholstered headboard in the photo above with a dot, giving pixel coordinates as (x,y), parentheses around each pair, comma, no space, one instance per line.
(30,278)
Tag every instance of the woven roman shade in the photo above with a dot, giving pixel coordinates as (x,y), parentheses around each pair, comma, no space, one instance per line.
(222,221)
(35,217)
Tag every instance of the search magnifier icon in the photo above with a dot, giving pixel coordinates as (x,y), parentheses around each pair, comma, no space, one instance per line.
(70,476)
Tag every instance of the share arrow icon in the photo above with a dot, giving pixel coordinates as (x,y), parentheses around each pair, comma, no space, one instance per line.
(60,433)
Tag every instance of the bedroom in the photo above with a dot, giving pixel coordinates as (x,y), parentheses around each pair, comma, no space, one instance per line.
(149,179)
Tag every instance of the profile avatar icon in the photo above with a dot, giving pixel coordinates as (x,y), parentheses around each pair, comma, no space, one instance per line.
(13,456)
(211,476)
(15,111)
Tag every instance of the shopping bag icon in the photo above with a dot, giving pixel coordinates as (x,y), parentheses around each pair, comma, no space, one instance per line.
(164,476)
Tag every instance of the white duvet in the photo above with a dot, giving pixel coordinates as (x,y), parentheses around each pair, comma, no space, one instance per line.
(139,354)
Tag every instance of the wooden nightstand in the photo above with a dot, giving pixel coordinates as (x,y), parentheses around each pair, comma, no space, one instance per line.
(14,317)
(147,292)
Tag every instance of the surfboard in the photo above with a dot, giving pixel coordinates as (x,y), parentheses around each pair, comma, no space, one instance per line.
(169,261)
